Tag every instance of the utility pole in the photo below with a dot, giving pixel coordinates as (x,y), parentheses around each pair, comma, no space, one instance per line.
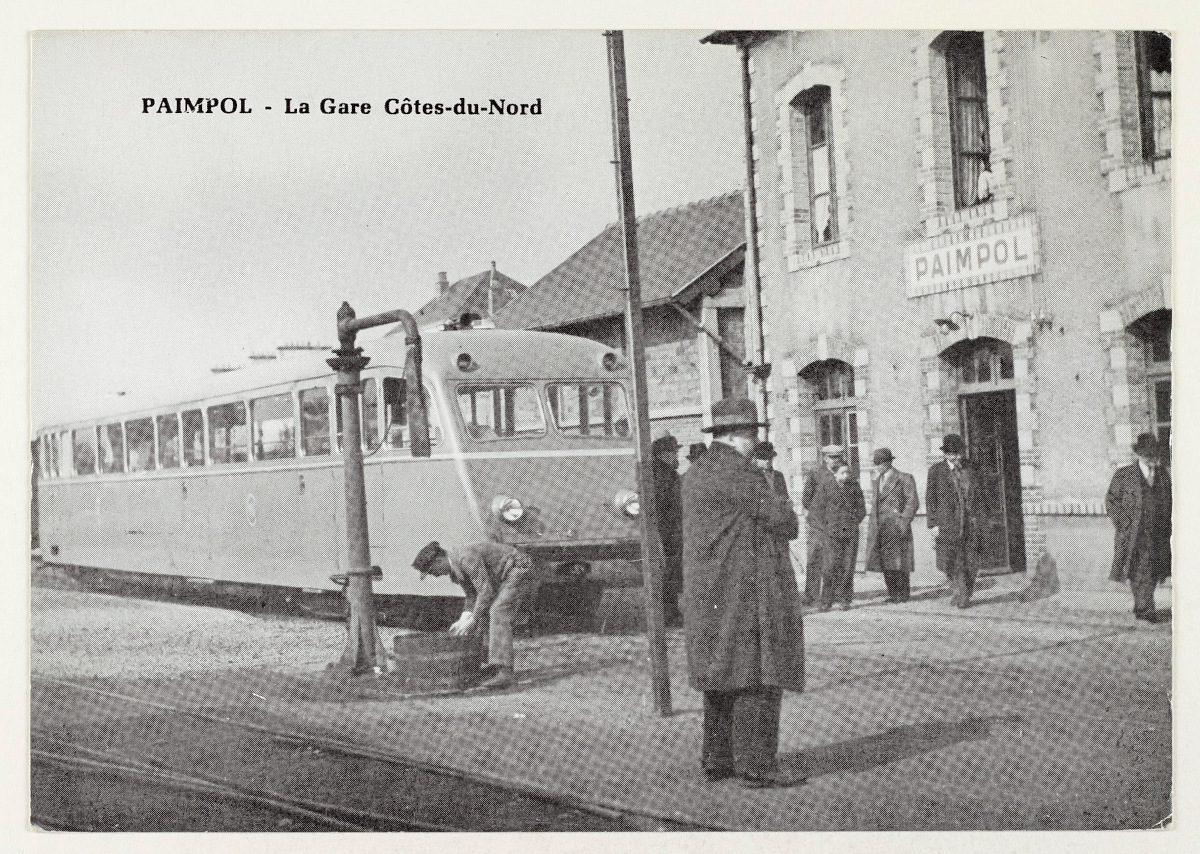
(364,652)
(652,553)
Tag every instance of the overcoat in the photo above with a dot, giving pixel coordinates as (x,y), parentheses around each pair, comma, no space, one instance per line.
(838,509)
(889,524)
(1124,505)
(667,507)
(818,476)
(942,507)
(742,614)
(778,482)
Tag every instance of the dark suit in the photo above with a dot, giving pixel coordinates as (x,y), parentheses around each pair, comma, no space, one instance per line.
(777,481)
(889,531)
(668,507)
(838,508)
(813,536)
(1142,546)
(950,504)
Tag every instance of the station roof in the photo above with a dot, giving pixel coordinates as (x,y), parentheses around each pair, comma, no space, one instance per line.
(465,295)
(676,249)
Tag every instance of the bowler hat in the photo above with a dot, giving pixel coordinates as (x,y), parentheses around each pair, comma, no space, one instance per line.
(732,413)
(695,451)
(883,455)
(763,451)
(426,556)
(1146,445)
(665,443)
(952,443)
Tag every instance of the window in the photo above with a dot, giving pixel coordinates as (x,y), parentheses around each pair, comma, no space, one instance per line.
(500,411)
(597,410)
(139,444)
(274,425)
(112,448)
(370,414)
(966,85)
(1152,52)
(832,384)
(83,443)
(1154,331)
(168,441)
(52,455)
(731,328)
(814,104)
(985,362)
(193,437)
(227,433)
(314,422)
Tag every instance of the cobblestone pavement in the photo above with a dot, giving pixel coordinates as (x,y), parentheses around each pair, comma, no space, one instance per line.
(1054,713)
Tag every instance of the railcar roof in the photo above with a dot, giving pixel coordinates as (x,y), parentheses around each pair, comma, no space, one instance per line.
(498,353)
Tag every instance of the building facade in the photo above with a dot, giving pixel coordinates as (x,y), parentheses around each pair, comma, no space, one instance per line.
(969,232)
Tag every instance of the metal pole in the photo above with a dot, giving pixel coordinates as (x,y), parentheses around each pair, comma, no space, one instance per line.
(652,554)
(753,283)
(364,650)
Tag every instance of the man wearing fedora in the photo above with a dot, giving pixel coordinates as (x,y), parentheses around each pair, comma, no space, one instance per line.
(894,503)
(1139,504)
(950,506)
(669,511)
(742,616)
(763,454)
(814,537)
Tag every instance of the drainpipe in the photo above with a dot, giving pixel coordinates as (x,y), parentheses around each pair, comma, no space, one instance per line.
(364,652)
(753,283)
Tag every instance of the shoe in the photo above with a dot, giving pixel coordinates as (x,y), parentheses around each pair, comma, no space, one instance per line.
(825,606)
(843,606)
(714,774)
(769,780)
(806,599)
(962,604)
(502,678)
(1149,617)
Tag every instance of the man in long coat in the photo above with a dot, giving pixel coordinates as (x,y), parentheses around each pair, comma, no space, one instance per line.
(894,503)
(951,497)
(742,615)
(1139,504)
(813,536)
(763,455)
(669,513)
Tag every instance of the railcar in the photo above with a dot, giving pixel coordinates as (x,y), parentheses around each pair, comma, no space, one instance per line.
(239,480)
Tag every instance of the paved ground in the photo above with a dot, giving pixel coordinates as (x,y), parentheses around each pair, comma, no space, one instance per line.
(1010,715)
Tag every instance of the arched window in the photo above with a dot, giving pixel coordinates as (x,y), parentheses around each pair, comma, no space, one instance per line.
(1154,331)
(815,107)
(983,364)
(832,384)
(967,100)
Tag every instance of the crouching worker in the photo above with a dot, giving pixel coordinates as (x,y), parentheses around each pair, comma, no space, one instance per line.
(499,580)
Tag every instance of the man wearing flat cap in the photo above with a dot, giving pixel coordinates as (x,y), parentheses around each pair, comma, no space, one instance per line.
(763,454)
(894,503)
(951,493)
(814,537)
(499,581)
(669,510)
(1139,504)
(742,617)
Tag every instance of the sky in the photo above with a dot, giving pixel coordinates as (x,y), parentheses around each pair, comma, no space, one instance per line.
(163,245)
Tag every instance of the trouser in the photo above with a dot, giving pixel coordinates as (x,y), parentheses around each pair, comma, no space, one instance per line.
(515,593)
(897,585)
(1142,580)
(672,585)
(953,560)
(741,730)
(813,567)
(838,583)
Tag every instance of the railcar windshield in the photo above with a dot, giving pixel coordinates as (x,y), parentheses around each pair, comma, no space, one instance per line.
(501,411)
(592,409)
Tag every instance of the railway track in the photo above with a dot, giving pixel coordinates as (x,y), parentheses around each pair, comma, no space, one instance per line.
(393,779)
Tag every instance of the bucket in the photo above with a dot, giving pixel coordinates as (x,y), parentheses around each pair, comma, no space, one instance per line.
(427,662)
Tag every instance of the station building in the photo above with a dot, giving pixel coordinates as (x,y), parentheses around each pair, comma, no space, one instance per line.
(968,232)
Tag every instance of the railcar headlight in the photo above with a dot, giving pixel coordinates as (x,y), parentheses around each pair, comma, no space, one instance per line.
(627,502)
(507,509)
(610,361)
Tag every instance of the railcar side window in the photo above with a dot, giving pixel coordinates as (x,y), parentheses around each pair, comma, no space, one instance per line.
(168,441)
(227,433)
(314,421)
(193,438)
(596,410)
(83,443)
(52,440)
(274,427)
(112,448)
(370,414)
(493,412)
(395,414)
(139,443)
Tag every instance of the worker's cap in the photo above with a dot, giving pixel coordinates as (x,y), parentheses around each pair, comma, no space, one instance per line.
(763,451)
(426,556)
(833,450)
(666,444)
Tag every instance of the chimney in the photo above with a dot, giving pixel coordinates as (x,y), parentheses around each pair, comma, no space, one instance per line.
(443,284)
